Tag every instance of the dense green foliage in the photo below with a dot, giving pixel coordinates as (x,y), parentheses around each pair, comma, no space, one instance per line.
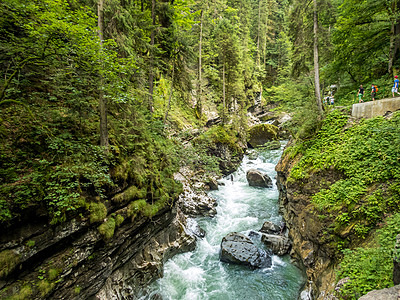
(162,68)
(366,154)
(52,69)
(55,71)
(370,268)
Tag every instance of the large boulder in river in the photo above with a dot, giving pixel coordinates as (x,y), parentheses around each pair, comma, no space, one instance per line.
(262,133)
(270,228)
(239,249)
(279,244)
(257,178)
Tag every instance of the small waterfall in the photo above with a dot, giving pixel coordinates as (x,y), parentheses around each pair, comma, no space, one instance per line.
(241,208)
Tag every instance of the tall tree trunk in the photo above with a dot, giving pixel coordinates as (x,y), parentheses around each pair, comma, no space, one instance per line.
(259,33)
(316,63)
(151,74)
(199,92)
(391,47)
(170,93)
(102,99)
(223,94)
(266,33)
(394,38)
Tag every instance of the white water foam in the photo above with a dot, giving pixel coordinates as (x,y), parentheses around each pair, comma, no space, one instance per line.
(241,208)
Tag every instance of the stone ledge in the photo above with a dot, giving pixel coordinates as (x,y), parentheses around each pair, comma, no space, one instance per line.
(375,108)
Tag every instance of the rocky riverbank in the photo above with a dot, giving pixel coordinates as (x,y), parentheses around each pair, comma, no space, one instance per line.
(113,256)
(80,260)
(306,228)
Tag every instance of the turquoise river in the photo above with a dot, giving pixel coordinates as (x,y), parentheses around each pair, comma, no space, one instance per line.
(199,275)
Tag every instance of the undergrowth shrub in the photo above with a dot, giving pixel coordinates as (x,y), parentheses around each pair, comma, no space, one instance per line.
(367,154)
(370,268)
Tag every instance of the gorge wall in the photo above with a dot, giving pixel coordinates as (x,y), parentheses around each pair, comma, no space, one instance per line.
(73,261)
(306,229)
(79,260)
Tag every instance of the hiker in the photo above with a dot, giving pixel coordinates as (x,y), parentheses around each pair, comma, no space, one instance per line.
(373,92)
(332,100)
(360,94)
(395,86)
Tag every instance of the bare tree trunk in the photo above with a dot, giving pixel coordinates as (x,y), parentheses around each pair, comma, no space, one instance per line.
(259,33)
(151,74)
(170,93)
(102,99)
(316,63)
(199,102)
(394,39)
(266,33)
(223,94)
(391,48)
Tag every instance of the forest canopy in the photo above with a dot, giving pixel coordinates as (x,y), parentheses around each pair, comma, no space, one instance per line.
(91,90)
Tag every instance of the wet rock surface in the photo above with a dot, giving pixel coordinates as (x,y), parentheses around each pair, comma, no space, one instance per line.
(193,201)
(85,266)
(258,178)
(278,244)
(270,228)
(237,248)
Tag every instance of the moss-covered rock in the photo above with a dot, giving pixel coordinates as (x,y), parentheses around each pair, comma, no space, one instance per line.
(260,134)
(98,212)
(225,144)
(8,261)
(130,194)
(107,229)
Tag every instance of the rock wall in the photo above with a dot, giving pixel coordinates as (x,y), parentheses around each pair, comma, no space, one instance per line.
(311,246)
(74,262)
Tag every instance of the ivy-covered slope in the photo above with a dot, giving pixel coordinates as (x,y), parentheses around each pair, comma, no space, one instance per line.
(347,179)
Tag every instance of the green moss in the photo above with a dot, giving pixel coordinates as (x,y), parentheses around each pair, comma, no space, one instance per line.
(136,207)
(219,135)
(107,229)
(98,212)
(259,134)
(77,290)
(118,220)
(8,261)
(128,195)
(264,129)
(25,293)
(370,268)
(150,210)
(53,273)
(30,243)
(45,287)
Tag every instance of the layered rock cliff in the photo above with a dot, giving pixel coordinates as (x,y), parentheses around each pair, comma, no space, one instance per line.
(310,244)
(73,261)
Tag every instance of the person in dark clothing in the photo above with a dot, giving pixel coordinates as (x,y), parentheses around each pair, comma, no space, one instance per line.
(360,94)
(373,92)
